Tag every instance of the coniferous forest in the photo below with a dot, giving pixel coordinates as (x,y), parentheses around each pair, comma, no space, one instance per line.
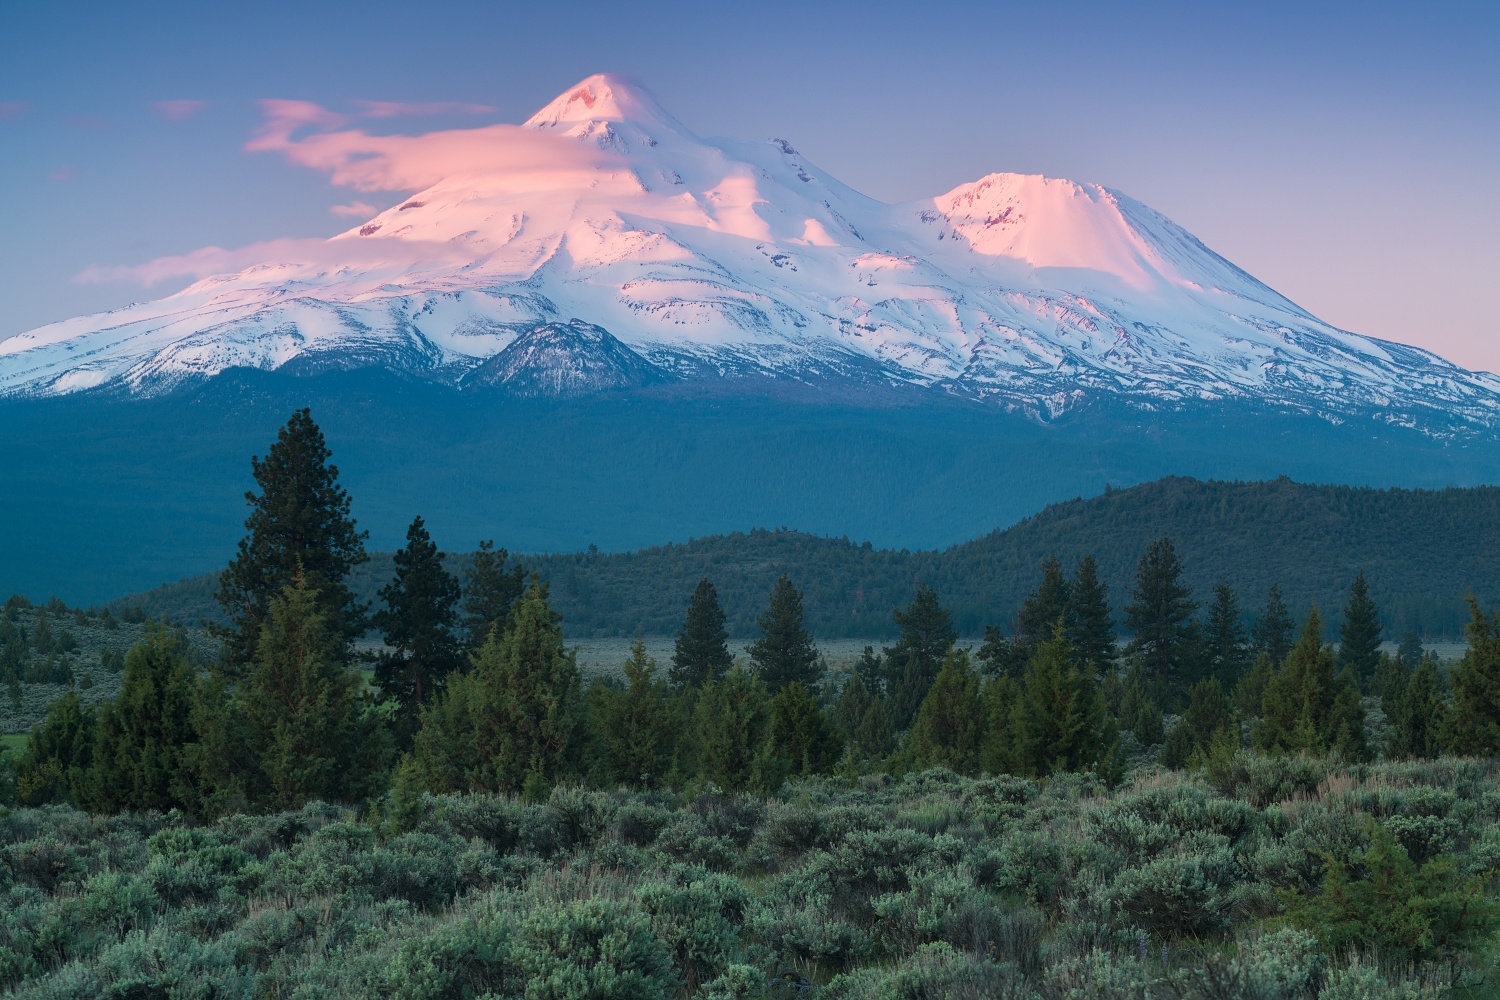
(1148,788)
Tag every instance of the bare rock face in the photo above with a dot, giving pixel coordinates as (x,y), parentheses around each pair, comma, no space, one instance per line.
(560,360)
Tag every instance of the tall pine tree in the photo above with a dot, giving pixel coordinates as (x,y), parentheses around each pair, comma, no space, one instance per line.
(1359,637)
(729,730)
(1272,634)
(1309,705)
(1091,624)
(1044,606)
(912,663)
(634,724)
(1059,719)
(417,622)
(1227,650)
(702,652)
(1474,723)
(1160,612)
(785,652)
(1416,711)
(298,524)
(490,590)
(950,725)
(800,740)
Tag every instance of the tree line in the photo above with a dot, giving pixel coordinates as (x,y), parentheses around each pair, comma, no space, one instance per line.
(475,690)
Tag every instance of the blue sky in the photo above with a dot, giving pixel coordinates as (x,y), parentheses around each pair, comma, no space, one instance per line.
(1346,154)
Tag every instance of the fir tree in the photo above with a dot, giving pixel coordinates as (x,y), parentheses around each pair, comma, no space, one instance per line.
(1091,623)
(145,736)
(311,733)
(417,622)
(1044,606)
(1002,656)
(1474,723)
(999,747)
(785,651)
(490,590)
(1060,722)
(1410,650)
(876,735)
(299,524)
(730,722)
(1272,634)
(702,652)
(1160,611)
(912,664)
(1309,706)
(1227,649)
(54,765)
(1359,637)
(634,725)
(800,741)
(948,730)
(1208,714)
(1249,693)
(870,668)
(1417,712)
(1140,711)
(855,699)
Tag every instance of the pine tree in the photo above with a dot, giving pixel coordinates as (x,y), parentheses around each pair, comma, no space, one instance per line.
(876,735)
(800,741)
(1140,711)
(146,734)
(1410,650)
(1227,649)
(489,592)
(1417,712)
(912,664)
(870,668)
(1249,693)
(1474,722)
(999,747)
(299,524)
(702,652)
(634,725)
(417,622)
(855,699)
(1160,611)
(1001,655)
(948,731)
(1272,634)
(312,733)
(785,651)
(1060,722)
(54,765)
(1359,645)
(1091,623)
(1208,714)
(730,729)
(1309,706)
(1044,606)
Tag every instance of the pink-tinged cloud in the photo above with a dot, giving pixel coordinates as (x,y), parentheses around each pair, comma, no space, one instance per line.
(86,121)
(11,110)
(403,109)
(354,158)
(63,174)
(355,209)
(178,111)
(312,255)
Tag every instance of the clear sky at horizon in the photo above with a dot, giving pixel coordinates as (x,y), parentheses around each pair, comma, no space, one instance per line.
(1346,154)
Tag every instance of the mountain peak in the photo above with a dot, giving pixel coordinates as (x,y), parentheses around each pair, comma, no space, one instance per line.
(603,97)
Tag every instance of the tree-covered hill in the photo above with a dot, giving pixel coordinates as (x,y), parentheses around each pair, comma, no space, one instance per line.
(1422,551)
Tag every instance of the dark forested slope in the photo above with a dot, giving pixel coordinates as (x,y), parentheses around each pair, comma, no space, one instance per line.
(1422,551)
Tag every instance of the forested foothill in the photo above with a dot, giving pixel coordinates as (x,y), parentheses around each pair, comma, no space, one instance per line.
(1151,790)
(1423,551)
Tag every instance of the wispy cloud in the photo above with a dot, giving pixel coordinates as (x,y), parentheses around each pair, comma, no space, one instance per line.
(86,121)
(11,110)
(178,111)
(63,174)
(355,209)
(408,109)
(275,260)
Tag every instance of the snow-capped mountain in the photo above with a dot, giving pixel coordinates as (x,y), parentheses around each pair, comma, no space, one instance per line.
(623,250)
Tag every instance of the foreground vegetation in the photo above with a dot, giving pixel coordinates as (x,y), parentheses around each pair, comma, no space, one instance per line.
(1205,811)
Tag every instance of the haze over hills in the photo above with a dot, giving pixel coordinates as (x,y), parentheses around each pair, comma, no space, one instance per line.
(1422,551)
(646,255)
(598,327)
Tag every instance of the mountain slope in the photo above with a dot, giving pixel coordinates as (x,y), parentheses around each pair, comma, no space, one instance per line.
(1310,540)
(715,260)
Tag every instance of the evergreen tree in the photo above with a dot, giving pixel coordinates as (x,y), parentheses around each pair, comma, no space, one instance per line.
(1272,635)
(702,652)
(311,733)
(870,668)
(1359,638)
(876,734)
(515,722)
(730,723)
(417,622)
(489,592)
(1474,723)
(1044,606)
(1140,712)
(1002,656)
(1090,620)
(1160,611)
(299,524)
(785,651)
(800,741)
(1416,711)
(855,699)
(948,730)
(913,662)
(1309,706)
(54,765)
(634,725)
(999,747)
(145,736)
(1249,693)
(1060,722)
(1208,715)
(1410,650)
(1227,649)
